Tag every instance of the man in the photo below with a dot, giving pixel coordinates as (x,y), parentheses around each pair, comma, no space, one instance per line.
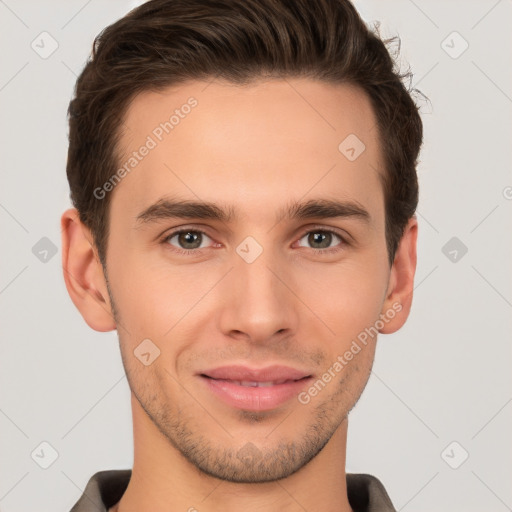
(244,177)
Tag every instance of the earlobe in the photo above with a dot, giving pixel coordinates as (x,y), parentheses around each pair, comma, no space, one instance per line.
(83,273)
(397,304)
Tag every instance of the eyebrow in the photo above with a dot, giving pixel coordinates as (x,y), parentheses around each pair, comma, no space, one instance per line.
(314,208)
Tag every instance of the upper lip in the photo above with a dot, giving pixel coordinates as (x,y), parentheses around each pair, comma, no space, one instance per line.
(244,373)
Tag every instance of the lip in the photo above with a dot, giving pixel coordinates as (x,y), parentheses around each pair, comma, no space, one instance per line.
(268,387)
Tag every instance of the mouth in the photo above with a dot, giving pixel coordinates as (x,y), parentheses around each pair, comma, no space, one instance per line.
(255,389)
(255,384)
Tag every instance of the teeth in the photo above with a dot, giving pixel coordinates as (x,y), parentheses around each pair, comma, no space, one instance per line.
(253,384)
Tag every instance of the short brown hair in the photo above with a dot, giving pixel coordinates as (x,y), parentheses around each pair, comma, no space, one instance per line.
(165,42)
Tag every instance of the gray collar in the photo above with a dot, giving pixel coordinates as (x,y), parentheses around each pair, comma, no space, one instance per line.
(105,488)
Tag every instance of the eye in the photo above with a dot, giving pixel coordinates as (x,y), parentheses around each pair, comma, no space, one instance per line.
(187,240)
(192,241)
(322,239)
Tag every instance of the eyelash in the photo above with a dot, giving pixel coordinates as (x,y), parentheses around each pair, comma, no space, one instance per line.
(198,252)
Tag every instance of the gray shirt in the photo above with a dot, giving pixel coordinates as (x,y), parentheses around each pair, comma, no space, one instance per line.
(105,488)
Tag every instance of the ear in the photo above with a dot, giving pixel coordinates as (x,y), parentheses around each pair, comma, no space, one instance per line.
(83,273)
(401,280)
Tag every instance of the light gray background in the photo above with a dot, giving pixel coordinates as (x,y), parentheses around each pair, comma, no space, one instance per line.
(445,377)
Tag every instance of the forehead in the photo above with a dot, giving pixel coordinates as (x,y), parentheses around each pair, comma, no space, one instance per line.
(259,145)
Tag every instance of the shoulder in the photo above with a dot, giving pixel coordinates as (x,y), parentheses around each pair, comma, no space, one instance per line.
(104,489)
(366,493)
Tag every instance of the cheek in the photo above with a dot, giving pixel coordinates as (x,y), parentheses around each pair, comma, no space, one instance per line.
(156,299)
(346,296)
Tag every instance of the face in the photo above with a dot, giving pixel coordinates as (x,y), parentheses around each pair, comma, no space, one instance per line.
(232,313)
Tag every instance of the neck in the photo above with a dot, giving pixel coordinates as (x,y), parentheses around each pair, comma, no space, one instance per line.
(162,479)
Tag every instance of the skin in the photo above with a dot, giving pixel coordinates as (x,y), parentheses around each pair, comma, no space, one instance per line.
(255,147)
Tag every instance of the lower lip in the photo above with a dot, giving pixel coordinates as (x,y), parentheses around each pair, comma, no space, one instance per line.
(255,398)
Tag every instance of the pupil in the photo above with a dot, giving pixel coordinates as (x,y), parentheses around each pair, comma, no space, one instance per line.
(323,239)
(189,238)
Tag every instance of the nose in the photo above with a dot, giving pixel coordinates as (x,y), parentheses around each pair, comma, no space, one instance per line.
(259,304)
